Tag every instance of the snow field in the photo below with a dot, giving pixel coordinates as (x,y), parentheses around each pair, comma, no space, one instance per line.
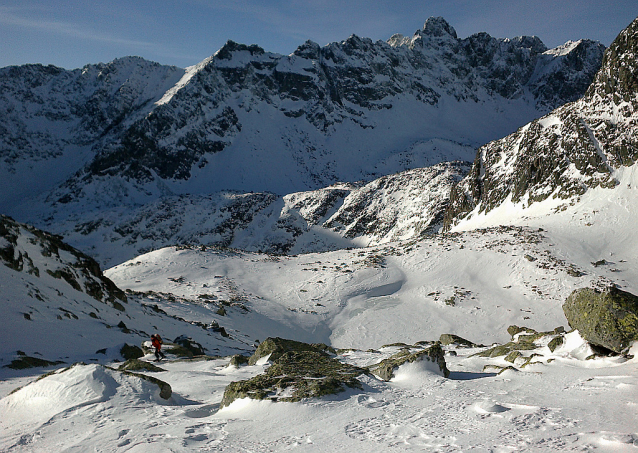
(579,408)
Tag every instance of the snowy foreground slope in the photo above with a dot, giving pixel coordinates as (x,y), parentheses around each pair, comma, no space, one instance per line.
(474,283)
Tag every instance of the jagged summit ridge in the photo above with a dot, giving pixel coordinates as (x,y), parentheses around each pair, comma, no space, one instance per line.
(437,26)
(618,75)
(574,148)
(250,120)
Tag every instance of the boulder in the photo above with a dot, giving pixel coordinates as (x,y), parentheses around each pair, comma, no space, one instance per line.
(448,339)
(385,369)
(238,360)
(606,318)
(131,352)
(276,347)
(190,344)
(295,375)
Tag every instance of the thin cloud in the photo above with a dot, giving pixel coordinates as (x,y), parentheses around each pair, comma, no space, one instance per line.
(9,17)
(323,21)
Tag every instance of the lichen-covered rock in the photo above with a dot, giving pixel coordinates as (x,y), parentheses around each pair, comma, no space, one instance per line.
(555,343)
(505,349)
(512,356)
(131,352)
(139,365)
(295,375)
(190,344)
(385,368)
(276,347)
(604,318)
(513,330)
(238,360)
(448,339)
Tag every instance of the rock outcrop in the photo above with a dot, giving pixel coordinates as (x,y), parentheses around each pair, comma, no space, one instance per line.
(21,244)
(604,318)
(298,371)
(386,368)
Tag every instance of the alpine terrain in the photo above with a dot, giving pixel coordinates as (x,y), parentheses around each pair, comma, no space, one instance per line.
(422,244)
(233,139)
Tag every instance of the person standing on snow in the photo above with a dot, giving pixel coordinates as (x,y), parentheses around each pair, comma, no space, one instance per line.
(156,340)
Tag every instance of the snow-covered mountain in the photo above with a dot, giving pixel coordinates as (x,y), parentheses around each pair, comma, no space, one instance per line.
(401,206)
(57,304)
(562,155)
(111,145)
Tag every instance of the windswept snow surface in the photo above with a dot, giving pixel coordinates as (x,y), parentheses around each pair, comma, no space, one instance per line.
(472,283)
(565,405)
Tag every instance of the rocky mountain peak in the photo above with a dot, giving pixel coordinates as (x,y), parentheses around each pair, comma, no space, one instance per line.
(309,49)
(576,147)
(231,47)
(533,43)
(619,72)
(438,27)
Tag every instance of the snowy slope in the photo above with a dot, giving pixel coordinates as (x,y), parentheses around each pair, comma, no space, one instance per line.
(482,279)
(57,305)
(368,298)
(399,206)
(545,409)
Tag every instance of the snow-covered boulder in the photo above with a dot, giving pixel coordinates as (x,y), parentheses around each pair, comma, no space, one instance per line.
(73,388)
(386,368)
(604,318)
(295,375)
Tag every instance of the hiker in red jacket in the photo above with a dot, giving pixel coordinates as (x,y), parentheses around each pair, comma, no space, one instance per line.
(156,340)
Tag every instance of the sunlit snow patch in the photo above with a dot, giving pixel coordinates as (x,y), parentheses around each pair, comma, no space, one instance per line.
(416,372)
(69,390)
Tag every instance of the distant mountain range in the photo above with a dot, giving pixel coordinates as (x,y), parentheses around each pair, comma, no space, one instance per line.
(245,148)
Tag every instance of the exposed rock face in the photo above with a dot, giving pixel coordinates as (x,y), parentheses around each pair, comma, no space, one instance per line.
(21,244)
(608,318)
(385,369)
(298,371)
(574,148)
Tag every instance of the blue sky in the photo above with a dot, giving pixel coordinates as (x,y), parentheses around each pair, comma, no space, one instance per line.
(72,33)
